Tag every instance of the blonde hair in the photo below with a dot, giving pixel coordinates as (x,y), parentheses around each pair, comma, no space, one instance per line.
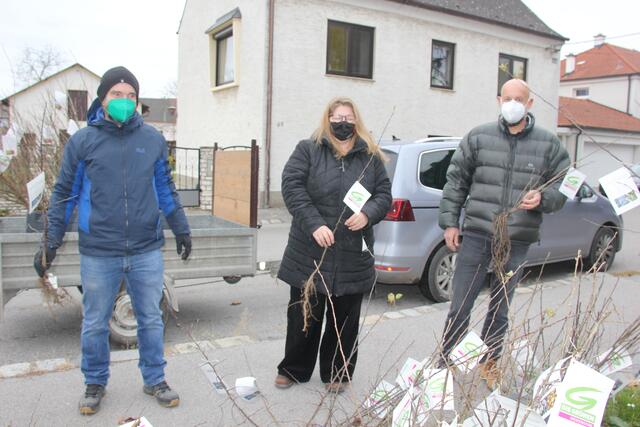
(324,130)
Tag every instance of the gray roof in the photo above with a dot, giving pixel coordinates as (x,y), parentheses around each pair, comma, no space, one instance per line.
(235,13)
(159,110)
(509,13)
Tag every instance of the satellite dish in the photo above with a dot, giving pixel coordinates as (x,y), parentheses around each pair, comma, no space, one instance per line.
(60,99)
(72,127)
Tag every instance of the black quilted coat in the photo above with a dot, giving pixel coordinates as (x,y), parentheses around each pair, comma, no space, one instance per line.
(314,184)
(490,171)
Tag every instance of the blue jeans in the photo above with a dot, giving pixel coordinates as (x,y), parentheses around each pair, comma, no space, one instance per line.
(101,278)
(469,278)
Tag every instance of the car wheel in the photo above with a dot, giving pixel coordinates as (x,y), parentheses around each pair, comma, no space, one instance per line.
(123,327)
(232,280)
(603,249)
(438,275)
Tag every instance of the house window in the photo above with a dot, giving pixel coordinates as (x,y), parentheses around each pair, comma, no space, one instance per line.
(511,67)
(581,92)
(225,69)
(350,50)
(223,50)
(433,168)
(77,105)
(442,55)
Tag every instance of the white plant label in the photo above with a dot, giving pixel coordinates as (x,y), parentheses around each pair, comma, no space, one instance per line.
(621,190)
(4,161)
(246,388)
(411,411)
(439,389)
(356,197)
(379,398)
(214,380)
(467,353)
(497,410)
(582,397)
(571,183)
(409,373)
(10,143)
(619,360)
(544,389)
(35,190)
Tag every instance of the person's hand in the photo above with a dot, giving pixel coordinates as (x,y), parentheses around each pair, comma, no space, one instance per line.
(183,245)
(357,221)
(452,238)
(41,265)
(531,200)
(324,236)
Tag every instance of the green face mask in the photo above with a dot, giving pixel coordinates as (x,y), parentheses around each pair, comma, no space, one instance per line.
(121,109)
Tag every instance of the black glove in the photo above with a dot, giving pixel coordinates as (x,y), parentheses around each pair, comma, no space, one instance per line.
(37,261)
(183,241)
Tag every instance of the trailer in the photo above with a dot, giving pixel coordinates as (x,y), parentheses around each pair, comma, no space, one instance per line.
(221,248)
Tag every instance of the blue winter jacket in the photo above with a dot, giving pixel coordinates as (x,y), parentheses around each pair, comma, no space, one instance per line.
(120,180)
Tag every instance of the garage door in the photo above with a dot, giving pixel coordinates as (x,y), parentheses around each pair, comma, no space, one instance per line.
(596,162)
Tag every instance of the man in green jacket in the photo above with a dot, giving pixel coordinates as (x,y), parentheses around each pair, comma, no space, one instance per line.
(499,167)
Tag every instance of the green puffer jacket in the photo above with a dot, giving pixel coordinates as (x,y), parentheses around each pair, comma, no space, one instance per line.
(494,169)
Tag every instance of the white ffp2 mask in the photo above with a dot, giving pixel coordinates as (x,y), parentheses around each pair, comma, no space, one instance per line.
(512,111)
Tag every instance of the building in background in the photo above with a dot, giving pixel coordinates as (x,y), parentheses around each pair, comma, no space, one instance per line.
(161,113)
(600,107)
(265,70)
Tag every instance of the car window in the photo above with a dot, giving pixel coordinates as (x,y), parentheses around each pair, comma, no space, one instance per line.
(433,168)
(390,164)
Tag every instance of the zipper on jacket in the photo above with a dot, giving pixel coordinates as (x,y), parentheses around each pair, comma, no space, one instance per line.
(126,201)
(506,195)
(337,256)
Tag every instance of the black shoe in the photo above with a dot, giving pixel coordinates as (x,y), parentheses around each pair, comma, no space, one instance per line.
(163,393)
(90,402)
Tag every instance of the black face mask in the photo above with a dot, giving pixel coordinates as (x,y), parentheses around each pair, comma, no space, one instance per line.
(342,130)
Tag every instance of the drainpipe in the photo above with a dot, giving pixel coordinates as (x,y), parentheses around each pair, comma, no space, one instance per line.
(267,142)
(575,151)
(628,92)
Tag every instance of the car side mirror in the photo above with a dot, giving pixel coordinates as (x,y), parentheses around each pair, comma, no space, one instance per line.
(584,192)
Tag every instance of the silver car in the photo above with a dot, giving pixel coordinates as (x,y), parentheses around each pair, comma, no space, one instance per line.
(409,246)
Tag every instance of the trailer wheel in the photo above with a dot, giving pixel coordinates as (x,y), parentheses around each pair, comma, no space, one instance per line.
(232,280)
(123,326)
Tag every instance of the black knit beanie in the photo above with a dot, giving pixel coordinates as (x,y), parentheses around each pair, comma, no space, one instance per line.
(114,76)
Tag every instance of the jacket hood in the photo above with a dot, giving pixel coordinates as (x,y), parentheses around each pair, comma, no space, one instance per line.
(531,121)
(96,117)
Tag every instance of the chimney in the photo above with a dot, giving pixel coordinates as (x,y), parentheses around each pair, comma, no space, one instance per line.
(598,40)
(569,63)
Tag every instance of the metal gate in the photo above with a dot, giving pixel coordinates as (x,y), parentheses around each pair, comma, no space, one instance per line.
(185,166)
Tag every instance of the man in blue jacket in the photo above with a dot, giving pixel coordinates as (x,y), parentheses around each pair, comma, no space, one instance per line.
(116,172)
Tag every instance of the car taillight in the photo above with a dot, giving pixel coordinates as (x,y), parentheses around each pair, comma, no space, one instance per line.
(401,210)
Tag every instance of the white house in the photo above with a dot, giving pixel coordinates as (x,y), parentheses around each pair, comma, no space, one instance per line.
(600,107)
(607,74)
(265,70)
(51,102)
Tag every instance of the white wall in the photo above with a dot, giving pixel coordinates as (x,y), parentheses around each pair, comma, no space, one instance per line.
(612,92)
(231,116)
(401,72)
(28,107)
(593,160)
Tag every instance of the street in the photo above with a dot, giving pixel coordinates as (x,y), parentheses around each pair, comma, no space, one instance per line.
(254,307)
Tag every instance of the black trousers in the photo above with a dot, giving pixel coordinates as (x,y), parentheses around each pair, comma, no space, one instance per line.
(301,348)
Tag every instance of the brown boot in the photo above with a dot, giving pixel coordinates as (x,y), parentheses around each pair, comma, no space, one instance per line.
(283,382)
(490,373)
(335,388)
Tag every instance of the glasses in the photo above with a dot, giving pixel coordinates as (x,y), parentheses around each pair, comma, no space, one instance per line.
(339,118)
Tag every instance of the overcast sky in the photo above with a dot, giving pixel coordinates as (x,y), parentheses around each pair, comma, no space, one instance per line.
(141,34)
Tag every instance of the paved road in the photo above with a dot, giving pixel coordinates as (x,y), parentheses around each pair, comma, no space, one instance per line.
(254,307)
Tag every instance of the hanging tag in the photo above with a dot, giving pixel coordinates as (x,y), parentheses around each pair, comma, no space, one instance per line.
(356,197)
(364,246)
(35,189)
(571,183)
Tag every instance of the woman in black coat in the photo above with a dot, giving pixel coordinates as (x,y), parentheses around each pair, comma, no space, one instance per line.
(315,180)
